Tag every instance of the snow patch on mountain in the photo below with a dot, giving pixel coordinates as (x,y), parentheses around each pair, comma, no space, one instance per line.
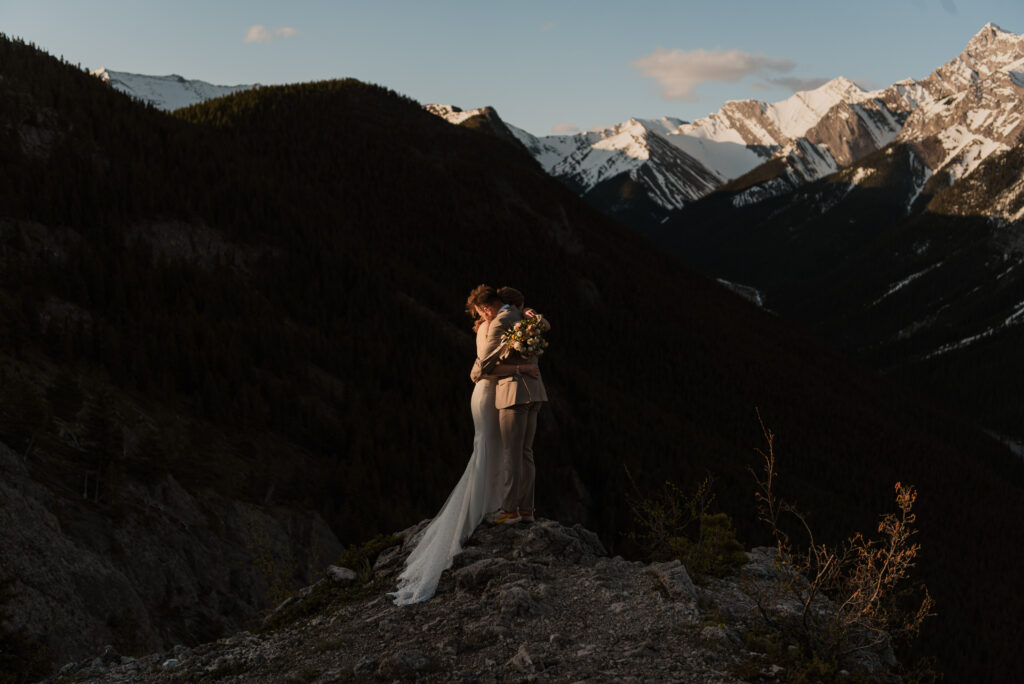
(1015,318)
(796,114)
(965,151)
(810,161)
(616,150)
(762,191)
(451,113)
(896,287)
(1016,315)
(920,176)
(860,175)
(726,158)
(166,92)
(751,294)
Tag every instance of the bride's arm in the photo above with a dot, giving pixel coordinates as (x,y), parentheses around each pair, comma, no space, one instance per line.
(532,313)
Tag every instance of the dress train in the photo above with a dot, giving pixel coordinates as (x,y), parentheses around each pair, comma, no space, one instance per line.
(477,493)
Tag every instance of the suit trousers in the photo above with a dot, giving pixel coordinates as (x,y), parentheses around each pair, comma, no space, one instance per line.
(518,474)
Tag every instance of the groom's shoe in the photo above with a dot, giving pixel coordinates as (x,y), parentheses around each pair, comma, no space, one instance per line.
(526,515)
(507,518)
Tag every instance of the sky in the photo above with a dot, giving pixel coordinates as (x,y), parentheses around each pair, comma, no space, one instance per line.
(546,66)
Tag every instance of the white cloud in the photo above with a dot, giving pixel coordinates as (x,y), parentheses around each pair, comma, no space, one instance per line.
(798,84)
(679,72)
(565,128)
(262,34)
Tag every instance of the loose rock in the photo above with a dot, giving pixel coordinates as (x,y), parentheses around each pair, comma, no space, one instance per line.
(675,580)
(340,575)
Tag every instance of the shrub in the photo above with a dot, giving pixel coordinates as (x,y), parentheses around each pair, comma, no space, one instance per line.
(674,525)
(851,595)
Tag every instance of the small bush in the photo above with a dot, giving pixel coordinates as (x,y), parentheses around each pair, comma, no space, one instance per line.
(852,595)
(716,552)
(674,525)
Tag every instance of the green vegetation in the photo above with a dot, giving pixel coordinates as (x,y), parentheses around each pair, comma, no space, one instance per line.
(674,525)
(799,665)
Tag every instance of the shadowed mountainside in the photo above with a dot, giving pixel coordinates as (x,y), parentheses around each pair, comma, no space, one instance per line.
(922,282)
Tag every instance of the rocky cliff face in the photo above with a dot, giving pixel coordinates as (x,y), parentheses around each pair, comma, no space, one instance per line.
(973,107)
(540,602)
(167,566)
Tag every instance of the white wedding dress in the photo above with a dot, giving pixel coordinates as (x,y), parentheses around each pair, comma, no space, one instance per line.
(477,493)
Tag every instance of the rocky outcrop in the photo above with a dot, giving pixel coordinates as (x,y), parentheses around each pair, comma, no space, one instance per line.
(162,566)
(539,602)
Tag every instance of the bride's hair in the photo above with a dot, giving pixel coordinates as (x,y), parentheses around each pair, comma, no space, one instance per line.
(512,296)
(481,295)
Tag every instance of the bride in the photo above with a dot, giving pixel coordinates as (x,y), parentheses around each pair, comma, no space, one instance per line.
(479,491)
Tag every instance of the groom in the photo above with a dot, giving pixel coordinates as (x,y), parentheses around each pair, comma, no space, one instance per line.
(518,398)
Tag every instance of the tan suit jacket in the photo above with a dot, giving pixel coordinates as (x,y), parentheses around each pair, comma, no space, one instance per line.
(513,389)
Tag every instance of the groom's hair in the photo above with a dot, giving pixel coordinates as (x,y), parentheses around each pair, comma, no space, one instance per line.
(510,295)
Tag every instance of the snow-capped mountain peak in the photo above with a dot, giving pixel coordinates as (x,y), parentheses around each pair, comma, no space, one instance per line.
(797,113)
(988,35)
(166,92)
(990,50)
(453,114)
(976,105)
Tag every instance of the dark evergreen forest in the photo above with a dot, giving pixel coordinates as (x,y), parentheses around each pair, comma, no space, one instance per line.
(263,295)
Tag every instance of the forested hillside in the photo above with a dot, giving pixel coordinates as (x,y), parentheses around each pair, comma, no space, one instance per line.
(263,295)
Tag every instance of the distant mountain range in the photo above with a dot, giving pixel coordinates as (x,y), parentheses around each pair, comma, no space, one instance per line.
(642,170)
(964,111)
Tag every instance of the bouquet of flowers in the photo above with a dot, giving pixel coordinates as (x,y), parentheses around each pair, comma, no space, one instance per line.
(527,336)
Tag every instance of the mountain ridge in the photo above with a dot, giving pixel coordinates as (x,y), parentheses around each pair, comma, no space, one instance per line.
(807,136)
(811,134)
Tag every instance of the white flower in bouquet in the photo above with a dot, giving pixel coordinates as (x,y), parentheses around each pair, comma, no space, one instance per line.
(527,336)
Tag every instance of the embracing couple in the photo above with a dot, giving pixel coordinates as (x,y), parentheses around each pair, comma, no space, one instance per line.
(498,482)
